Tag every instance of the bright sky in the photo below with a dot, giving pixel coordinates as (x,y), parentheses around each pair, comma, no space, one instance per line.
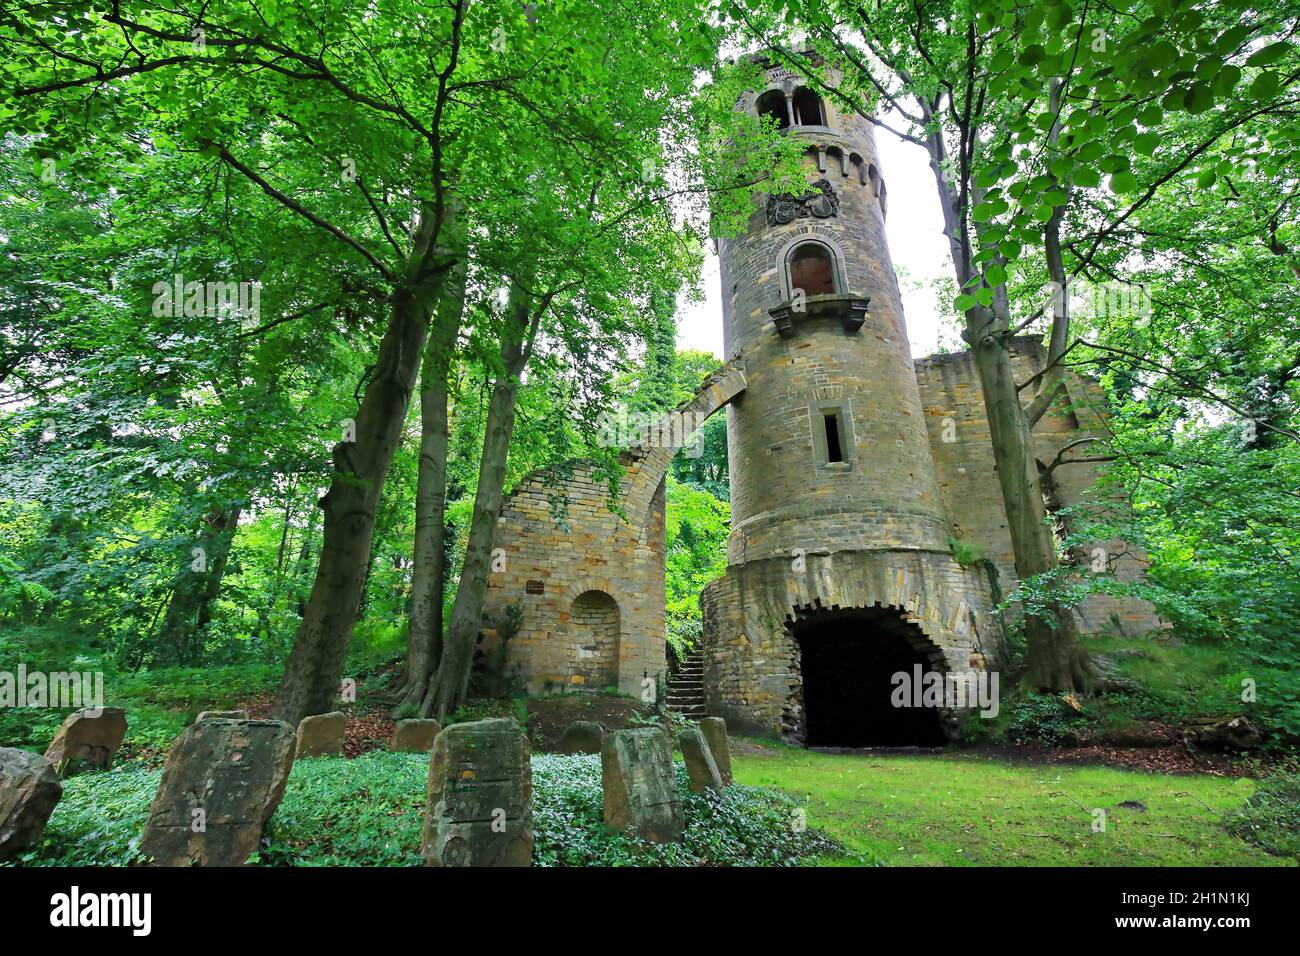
(916,242)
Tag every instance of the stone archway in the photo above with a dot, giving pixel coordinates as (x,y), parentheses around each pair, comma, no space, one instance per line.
(594,640)
(846,662)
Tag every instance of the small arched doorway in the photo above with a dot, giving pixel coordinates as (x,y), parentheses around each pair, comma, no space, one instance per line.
(808,108)
(848,695)
(772,104)
(812,269)
(594,641)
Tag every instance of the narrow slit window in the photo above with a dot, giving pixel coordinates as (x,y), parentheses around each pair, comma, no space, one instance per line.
(833,450)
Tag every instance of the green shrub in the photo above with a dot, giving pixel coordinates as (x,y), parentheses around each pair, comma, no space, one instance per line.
(744,826)
(1047,718)
(1270,818)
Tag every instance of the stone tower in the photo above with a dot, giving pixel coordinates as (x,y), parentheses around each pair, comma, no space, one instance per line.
(840,569)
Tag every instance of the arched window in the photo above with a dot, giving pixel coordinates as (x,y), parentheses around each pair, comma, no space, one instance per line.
(808,108)
(772,103)
(812,268)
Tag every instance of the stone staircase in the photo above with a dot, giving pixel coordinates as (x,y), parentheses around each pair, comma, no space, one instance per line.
(686,687)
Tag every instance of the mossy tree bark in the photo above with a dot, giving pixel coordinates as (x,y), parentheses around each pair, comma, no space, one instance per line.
(447,690)
(424,634)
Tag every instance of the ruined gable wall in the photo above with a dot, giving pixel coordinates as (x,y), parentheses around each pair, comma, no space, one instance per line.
(963,454)
(589,548)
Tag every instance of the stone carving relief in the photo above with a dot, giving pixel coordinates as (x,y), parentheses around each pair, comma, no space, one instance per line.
(820,203)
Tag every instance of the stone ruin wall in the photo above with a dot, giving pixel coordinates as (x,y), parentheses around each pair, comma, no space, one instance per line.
(582,573)
(954,409)
(550,564)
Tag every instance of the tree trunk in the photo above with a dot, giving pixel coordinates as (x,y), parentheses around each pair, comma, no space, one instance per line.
(424,634)
(190,609)
(315,665)
(447,690)
(1056,659)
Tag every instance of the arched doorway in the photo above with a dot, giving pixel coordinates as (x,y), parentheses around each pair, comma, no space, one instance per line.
(594,641)
(848,696)
(812,269)
(772,105)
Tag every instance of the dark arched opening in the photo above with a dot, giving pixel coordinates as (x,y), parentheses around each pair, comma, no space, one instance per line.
(812,269)
(808,108)
(851,697)
(772,104)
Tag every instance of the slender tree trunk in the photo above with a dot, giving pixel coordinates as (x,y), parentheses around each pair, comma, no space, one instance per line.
(424,634)
(302,566)
(447,690)
(190,609)
(315,665)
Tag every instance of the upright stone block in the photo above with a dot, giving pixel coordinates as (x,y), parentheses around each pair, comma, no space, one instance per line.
(479,810)
(715,734)
(221,715)
(222,781)
(582,737)
(88,739)
(415,736)
(29,791)
(640,785)
(700,767)
(322,734)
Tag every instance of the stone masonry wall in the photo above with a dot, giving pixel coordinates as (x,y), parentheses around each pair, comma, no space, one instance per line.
(560,542)
(750,656)
(963,455)
(551,563)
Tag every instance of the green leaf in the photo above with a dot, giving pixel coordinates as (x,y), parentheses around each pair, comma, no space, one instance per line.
(1124,182)
(1265,85)
(1146,143)
(1269,54)
(1199,98)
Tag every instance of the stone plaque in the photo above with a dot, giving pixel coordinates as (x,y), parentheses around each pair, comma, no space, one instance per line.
(715,733)
(700,768)
(88,739)
(29,791)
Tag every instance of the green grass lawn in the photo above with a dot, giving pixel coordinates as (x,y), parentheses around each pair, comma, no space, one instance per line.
(968,809)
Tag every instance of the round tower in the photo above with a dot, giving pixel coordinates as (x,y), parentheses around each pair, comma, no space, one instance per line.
(828,446)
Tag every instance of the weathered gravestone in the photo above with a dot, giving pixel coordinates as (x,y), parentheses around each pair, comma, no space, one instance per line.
(715,734)
(322,734)
(221,715)
(640,784)
(221,783)
(700,768)
(87,739)
(415,736)
(582,737)
(29,790)
(479,808)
